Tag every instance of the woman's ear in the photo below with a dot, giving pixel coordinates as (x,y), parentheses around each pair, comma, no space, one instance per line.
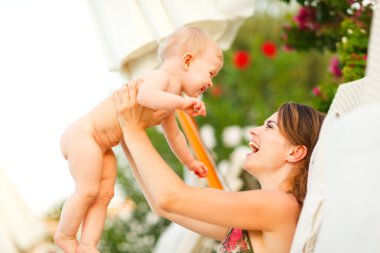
(297,153)
(186,60)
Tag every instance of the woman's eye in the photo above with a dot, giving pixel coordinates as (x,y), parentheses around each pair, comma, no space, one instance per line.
(269,125)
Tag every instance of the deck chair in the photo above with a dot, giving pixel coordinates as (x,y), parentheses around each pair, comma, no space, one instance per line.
(341,211)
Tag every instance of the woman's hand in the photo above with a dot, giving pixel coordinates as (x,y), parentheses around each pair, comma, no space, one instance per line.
(131,115)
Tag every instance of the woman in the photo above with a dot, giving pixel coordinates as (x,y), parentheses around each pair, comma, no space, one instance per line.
(249,221)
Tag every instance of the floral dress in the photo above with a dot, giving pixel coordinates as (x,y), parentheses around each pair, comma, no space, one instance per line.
(236,241)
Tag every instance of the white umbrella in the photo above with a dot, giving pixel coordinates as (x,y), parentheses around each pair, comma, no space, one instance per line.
(130,30)
(19,228)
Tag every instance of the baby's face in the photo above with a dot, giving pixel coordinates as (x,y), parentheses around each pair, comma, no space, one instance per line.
(201,70)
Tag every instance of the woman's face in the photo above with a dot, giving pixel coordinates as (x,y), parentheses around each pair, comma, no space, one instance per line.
(269,148)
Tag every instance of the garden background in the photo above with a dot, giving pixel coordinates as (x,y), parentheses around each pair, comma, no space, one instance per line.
(299,51)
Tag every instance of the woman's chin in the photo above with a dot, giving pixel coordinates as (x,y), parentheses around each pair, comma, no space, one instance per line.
(245,165)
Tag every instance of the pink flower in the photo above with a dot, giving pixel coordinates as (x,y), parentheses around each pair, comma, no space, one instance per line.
(234,238)
(269,49)
(236,234)
(316,91)
(287,48)
(241,59)
(334,67)
(306,18)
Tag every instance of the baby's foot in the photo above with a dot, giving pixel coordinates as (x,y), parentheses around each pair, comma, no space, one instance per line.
(84,248)
(66,243)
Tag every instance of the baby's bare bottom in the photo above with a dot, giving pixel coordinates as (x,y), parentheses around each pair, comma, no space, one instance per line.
(94,172)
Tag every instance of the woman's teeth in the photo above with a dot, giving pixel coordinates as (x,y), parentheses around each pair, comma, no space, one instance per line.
(254,146)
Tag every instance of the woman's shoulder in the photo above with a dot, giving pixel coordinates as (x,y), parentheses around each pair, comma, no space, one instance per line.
(283,200)
(275,206)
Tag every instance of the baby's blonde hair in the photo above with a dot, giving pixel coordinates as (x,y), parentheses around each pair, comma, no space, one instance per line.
(185,39)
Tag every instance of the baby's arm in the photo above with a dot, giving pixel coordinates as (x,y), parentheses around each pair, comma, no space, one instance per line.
(153,93)
(178,145)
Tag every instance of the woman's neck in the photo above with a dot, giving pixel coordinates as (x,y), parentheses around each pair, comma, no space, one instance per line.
(276,180)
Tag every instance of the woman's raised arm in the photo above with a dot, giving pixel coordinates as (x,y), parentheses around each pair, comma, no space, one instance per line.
(252,210)
(206,229)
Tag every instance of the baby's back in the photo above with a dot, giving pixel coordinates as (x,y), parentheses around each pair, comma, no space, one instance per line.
(99,126)
(105,125)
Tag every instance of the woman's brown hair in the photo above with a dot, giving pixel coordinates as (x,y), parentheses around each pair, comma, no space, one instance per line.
(300,124)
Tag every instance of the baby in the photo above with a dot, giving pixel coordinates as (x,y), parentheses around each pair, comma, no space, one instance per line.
(190,58)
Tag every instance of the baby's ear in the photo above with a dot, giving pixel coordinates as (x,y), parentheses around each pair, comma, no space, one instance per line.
(186,60)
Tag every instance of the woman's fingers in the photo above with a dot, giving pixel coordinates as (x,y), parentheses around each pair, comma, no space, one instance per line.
(132,89)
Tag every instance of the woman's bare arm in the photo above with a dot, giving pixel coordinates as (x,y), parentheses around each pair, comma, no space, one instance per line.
(252,210)
(206,229)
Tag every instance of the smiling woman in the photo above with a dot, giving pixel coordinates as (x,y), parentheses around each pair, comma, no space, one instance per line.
(288,128)
(267,218)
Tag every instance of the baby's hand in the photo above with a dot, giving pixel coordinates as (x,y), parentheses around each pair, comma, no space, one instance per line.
(193,106)
(199,169)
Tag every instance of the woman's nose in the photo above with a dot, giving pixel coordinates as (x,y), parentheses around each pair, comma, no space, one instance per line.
(253,131)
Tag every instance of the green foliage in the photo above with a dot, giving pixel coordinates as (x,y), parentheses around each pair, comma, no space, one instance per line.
(340,27)
(247,96)
(353,50)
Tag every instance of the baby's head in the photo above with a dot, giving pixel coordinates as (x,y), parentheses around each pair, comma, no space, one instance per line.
(198,55)
(187,39)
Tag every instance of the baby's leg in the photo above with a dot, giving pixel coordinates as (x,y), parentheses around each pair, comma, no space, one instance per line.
(93,222)
(85,160)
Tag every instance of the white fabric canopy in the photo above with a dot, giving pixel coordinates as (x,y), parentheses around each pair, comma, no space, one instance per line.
(130,30)
(19,228)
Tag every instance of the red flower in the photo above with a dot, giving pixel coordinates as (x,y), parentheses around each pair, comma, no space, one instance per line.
(316,91)
(241,59)
(269,49)
(216,91)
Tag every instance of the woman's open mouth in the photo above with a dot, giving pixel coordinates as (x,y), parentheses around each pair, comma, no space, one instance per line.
(254,146)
